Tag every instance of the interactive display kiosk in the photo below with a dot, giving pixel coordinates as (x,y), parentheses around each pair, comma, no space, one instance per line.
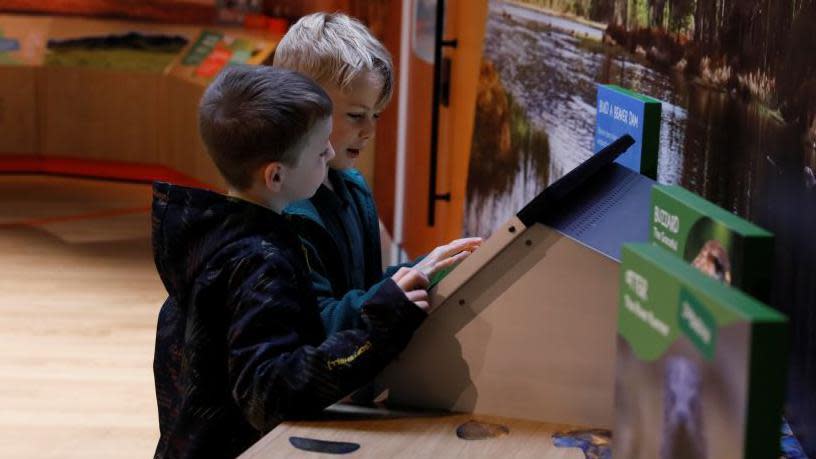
(525,327)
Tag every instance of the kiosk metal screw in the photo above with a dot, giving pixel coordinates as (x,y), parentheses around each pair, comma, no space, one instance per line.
(528,242)
(512,229)
(461,302)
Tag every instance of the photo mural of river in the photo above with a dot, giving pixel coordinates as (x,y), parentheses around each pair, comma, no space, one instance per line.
(738,122)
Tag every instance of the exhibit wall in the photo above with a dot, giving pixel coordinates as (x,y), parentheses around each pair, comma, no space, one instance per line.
(177,11)
(737,81)
(464,22)
(113,97)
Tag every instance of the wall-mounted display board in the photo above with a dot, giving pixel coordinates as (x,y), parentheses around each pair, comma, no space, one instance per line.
(701,366)
(213,49)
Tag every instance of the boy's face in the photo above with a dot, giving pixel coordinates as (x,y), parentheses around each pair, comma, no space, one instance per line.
(355,117)
(303,179)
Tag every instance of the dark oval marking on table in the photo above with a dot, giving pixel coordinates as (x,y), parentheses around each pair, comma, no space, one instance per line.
(475,430)
(323,446)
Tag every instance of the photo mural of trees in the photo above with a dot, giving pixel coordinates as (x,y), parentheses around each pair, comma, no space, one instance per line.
(762,48)
(737,82)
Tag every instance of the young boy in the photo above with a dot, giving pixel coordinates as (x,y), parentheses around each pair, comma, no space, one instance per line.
(240,345)
(339,225)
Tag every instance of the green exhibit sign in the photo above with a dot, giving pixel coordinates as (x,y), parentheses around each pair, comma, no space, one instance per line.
(715,241)
(701,366)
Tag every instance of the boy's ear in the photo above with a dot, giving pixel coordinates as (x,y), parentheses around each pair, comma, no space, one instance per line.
(273,175)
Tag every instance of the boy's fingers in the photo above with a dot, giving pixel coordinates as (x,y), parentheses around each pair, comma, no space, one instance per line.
(444,251)
(414,279)
(417,295)
(422,281)
(448,254)
(471,240)
(448,262)
(419,298)
(397,276)
(467,242)
(459,245)
(458,257)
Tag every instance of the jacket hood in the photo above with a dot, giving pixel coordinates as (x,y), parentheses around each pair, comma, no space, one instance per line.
(190,226)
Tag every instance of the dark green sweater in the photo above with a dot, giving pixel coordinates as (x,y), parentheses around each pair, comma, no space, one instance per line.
(341,233)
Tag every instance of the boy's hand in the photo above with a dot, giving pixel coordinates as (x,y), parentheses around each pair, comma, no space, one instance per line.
(415,285)
(448,255)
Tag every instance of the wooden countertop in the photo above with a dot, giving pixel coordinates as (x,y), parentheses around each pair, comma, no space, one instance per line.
(384,433)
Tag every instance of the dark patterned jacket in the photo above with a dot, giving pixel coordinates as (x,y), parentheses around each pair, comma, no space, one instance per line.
(341,232)
(240,345)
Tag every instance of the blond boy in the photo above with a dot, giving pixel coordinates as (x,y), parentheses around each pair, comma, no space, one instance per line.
(339,224)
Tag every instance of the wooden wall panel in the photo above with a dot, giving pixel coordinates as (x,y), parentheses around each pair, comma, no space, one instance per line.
(27,36)
(18,110)
(419,238)
(178,11)
(384,168)
(88,113)
(465,22)
(180,146)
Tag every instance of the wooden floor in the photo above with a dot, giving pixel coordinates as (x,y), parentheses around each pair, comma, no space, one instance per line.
(78,309)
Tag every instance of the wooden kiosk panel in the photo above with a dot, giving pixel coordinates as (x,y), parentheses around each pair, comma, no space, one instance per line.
(526,326)
(530,337)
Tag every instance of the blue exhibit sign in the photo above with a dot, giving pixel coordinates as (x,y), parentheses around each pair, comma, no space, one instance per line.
(9,44)
(620,112)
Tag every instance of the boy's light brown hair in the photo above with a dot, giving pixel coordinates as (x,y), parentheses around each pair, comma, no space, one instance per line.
(250,116)
(335,48)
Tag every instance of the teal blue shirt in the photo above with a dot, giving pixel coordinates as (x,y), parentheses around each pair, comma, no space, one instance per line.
(341,235)
(345,223)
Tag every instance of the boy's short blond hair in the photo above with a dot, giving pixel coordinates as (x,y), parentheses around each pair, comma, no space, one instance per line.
(335,48)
